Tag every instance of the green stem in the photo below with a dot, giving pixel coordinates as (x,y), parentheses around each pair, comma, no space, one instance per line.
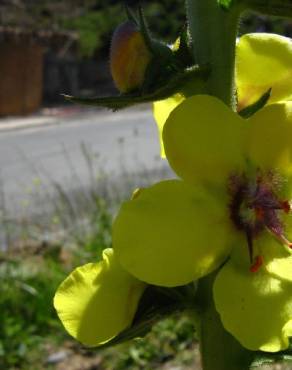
(213,31)
(219,350)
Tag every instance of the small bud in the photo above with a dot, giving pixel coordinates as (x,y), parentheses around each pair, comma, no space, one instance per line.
(129,57)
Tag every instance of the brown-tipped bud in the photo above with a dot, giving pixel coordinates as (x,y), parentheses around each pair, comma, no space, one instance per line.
(129,57)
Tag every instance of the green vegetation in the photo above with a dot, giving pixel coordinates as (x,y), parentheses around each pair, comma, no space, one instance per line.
(171,342)
(92,20)
(30,274)
(29,324)
(96,26)
(27,315)
(95,20)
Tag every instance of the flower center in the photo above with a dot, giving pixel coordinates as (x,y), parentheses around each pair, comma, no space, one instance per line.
(255,207)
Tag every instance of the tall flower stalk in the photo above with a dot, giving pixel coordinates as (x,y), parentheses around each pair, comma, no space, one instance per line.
(214,32)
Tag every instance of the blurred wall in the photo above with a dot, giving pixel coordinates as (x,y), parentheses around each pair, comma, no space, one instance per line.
(21,82)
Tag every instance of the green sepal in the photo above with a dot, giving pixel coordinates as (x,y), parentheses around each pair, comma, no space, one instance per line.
(163,54)
(165,60)
(225,4)
(259,104)
(184,56)
(144,28)
(131,16)
(171,87)
(156,304)
(161,51)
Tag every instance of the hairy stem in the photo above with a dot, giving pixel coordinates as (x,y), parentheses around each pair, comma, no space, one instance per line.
(213,31)
(219,349)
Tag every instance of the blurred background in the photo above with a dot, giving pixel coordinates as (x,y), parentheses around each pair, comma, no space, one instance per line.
(65,169)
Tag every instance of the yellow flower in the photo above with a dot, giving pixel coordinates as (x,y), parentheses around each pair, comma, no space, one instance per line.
(233,200)
(98,300)
(263,61)
(161,111)
(230,209)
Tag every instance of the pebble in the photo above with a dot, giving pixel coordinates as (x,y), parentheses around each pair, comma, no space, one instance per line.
(56,357)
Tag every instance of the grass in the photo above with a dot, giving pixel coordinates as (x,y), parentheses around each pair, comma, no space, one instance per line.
(27,315)
(30,273)
(29,277)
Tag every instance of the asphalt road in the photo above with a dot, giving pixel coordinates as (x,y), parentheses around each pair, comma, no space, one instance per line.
(116,142)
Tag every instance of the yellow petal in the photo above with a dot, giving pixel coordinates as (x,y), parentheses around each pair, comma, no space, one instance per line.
(161,111)
(263,61)
(171,234)
(98,300)
(203,140)
(256,308)
(277,258)
(270,138)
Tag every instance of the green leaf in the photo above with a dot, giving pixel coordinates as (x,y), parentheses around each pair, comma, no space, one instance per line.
(174,85)
(259,104)
(225,4)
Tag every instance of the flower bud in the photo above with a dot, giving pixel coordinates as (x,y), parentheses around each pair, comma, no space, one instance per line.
(129,57)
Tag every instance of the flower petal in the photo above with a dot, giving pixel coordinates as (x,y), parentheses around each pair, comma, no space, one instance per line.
(277,258)
(254,307)
(98,300)
(171,234)
(161,111)
(270,137)
(263,61)
(203,140)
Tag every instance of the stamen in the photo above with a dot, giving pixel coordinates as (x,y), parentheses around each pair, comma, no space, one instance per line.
(285,241)
(249,238)
(285,205)
(281,238)
(255,207)
(259,213)
(257,264)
